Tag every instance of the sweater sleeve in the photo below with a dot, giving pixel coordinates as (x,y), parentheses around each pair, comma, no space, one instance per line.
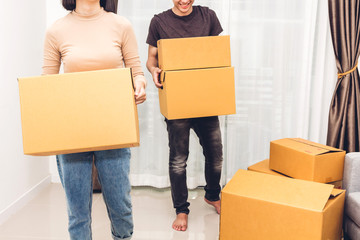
(52,56)
(130,53)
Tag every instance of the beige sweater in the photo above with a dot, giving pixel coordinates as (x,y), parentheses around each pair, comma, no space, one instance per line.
(103,40)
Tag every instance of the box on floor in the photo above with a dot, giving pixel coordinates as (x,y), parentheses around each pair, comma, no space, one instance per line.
(263,206)
(303,159)
(77,112)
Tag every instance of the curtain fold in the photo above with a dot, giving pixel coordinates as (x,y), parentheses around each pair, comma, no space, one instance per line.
(344,113)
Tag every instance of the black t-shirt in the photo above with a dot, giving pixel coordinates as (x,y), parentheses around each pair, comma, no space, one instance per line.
(201,22)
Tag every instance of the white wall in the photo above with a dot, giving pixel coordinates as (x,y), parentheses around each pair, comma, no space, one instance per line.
(22,28)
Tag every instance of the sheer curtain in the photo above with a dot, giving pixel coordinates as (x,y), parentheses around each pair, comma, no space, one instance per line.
(284,76)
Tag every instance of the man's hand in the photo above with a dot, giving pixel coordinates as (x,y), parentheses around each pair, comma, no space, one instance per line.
(152,65)
(156,76)
(140,94)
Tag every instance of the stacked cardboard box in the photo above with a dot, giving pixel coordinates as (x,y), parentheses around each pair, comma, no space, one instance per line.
(197,77)
(270,201)
(303,159)
(77,112)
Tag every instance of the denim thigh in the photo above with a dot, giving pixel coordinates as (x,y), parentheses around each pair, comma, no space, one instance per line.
(208,131)
(75,172)
(179,132)
(113,170)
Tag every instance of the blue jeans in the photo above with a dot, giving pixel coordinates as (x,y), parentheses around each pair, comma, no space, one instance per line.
(113,167)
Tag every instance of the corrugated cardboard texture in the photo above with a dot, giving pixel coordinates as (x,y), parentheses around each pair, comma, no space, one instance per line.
(77,112)
(263,206)
(197,93)
(191,53)
(302,159)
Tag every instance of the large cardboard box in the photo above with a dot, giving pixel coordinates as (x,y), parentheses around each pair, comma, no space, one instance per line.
(263,167)
(303,159)
(197,93)
(196,52)
(263,206)
(77,112)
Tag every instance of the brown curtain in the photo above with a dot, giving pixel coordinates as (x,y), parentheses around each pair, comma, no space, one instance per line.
(344,115)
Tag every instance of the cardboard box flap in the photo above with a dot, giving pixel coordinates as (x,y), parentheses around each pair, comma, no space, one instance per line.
(305,146)
(335,192)
(317,145)
(277,189)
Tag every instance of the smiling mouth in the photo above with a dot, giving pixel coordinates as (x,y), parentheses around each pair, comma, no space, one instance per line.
(186,5)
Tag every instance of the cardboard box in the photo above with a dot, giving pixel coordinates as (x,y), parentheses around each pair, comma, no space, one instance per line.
(302,159)
(263,167)
(197,93)
(263,206)
(191,53)
(78,112)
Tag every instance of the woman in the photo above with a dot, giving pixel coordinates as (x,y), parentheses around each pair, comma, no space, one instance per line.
(93,37)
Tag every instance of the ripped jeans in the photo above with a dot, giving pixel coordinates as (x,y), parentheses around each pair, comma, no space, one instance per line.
(208,131)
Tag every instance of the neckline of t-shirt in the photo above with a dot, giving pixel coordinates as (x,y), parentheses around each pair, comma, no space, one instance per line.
(93,16)
(191,15)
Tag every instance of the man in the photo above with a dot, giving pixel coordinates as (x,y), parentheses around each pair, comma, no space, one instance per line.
(186,20)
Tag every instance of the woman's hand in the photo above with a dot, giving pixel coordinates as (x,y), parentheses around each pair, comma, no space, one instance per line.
(140,94)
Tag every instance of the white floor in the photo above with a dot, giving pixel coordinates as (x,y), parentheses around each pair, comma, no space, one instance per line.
(45,218)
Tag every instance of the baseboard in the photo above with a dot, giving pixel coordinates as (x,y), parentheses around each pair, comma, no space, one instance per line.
(23,200)
(55,179)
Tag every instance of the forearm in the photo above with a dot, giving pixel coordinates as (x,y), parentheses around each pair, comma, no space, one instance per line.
(151,64)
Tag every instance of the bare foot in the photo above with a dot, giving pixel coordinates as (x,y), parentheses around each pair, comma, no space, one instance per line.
(215,204)
(180,223)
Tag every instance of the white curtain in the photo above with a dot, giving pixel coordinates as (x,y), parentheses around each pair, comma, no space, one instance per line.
(284,72)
